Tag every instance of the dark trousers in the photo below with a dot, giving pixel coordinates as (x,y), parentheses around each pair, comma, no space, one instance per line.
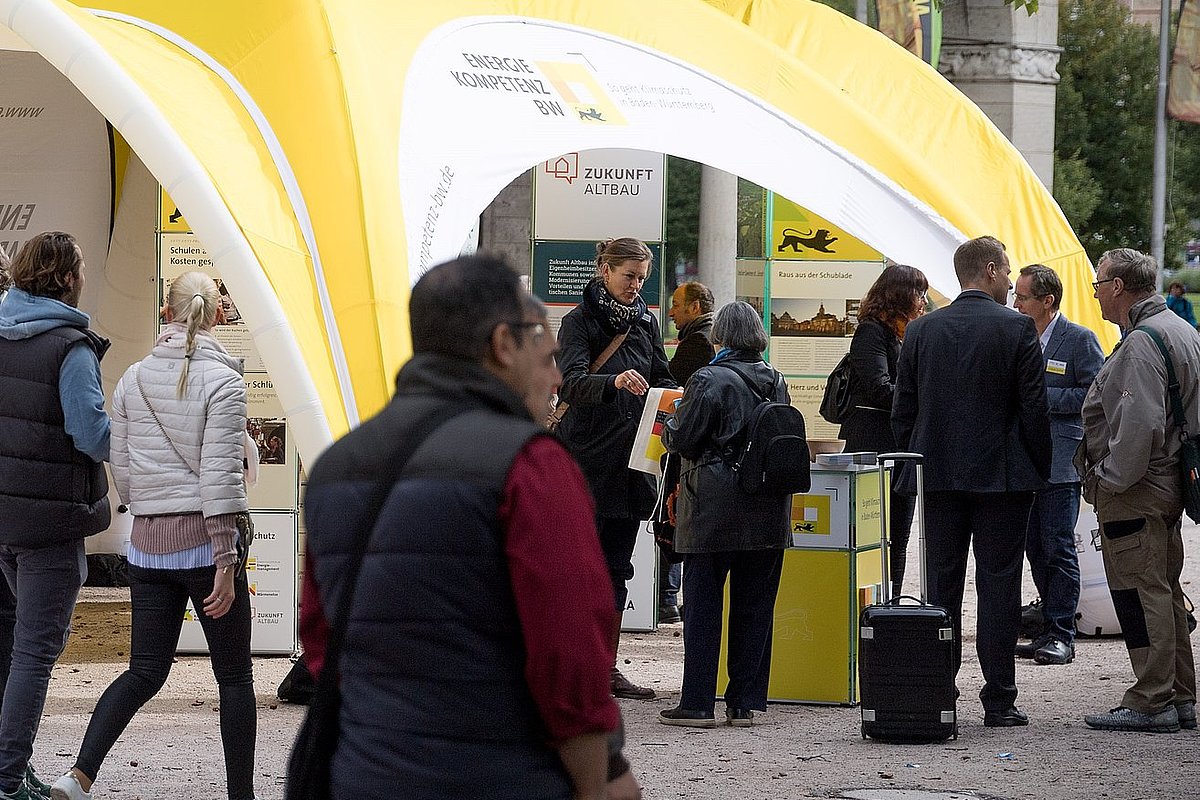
(159,597)
(753,583)
(1050,546)
(617,538)
(993,525)
(669,577)
(899,526)
(45,582)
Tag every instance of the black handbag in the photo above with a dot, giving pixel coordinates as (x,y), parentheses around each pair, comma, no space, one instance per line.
(835,403)
(308,765)
(1189,449)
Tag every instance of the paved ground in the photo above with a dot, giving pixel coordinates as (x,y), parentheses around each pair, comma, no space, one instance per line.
(172,749)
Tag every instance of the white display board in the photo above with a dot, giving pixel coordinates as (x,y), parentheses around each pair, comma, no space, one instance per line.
(598,194)
(642,603)
(1095,614)
(271,575)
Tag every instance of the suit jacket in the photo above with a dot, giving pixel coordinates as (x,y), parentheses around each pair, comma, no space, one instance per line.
(1072,358)
(971,398)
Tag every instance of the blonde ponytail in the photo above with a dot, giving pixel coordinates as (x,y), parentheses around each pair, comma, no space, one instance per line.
(193,301)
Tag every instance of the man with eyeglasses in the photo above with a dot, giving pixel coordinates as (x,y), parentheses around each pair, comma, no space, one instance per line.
(1072,357)
(1130,465)
(970,397)
(479,640)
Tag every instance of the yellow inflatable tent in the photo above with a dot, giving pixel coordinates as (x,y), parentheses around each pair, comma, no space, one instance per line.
(326,153)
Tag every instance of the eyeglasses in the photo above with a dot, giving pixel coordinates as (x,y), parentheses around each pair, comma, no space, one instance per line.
(1096,284)
(1022,298)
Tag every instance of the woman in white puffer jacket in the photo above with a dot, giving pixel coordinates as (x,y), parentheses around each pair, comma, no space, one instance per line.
(178,420)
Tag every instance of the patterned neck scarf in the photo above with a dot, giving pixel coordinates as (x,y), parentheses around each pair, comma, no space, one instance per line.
(617,316)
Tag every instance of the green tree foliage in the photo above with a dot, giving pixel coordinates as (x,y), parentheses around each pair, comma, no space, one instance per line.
(1104,132)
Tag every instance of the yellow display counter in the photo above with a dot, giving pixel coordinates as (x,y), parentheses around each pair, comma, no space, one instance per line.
(831,572)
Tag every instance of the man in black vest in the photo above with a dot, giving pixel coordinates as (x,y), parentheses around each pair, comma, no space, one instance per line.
(971,398)
(479,643)
(53,490)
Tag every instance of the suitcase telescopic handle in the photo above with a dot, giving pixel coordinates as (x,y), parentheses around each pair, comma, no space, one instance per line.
(917,459)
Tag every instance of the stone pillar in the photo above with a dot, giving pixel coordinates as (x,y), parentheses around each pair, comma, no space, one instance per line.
(506,227)
(1006,62)
(717,257)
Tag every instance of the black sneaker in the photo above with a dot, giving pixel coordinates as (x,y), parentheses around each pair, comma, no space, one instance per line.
(687,718)
(668,615)
(739,717)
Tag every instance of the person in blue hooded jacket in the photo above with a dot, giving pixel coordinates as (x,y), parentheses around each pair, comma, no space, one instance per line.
(53,491)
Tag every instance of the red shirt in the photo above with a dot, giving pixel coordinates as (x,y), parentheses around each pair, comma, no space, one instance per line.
(560,582)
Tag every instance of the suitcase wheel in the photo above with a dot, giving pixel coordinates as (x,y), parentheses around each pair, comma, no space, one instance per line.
(864,730)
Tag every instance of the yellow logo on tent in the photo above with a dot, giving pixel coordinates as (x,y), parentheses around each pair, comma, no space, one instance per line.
(810,514)
(798,234)
(170,218)
(582,92)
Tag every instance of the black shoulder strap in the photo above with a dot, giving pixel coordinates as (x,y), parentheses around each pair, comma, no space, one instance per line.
(1172,380)
(754,387)
(433,420)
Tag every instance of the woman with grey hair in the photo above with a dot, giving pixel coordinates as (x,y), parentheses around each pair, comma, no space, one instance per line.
(722,531)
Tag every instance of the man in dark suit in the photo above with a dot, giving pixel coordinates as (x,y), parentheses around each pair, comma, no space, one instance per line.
(1072,356)
(692,312)
(970,397)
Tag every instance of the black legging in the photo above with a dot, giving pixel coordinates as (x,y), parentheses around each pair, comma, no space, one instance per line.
(159,597)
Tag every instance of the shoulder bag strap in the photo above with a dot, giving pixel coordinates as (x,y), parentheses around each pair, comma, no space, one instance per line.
(328,679)
(137,377)
(1172,380)
(560,410)
(754,387)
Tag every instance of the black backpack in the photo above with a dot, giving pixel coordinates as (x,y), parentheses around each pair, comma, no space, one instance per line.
(835,403)
(774,458)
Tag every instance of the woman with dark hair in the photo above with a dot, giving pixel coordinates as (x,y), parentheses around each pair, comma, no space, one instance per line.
(895,299)
(724,533)
(613,325)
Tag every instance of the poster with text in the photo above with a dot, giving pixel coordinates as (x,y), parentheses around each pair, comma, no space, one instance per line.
(599,194)
(278,462)
(182,252)
(271,580)
(806,394)
(561,270)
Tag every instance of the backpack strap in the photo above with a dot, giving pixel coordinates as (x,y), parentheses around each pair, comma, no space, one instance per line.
(1172,380)
(754,387)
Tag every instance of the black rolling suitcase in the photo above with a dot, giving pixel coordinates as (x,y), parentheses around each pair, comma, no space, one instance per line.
(905,651)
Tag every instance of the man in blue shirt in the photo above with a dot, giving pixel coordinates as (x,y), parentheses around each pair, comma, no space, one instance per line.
(1072,357)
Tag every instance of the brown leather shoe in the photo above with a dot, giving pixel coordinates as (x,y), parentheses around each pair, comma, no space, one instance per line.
(622,687)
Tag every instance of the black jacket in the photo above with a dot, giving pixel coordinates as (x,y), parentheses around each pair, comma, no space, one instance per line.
(708,431)
(695,348)
(873,354)
(600,425)
(970,396)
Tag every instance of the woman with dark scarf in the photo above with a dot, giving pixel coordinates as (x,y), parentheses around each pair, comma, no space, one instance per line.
(895,299)
(606,405)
